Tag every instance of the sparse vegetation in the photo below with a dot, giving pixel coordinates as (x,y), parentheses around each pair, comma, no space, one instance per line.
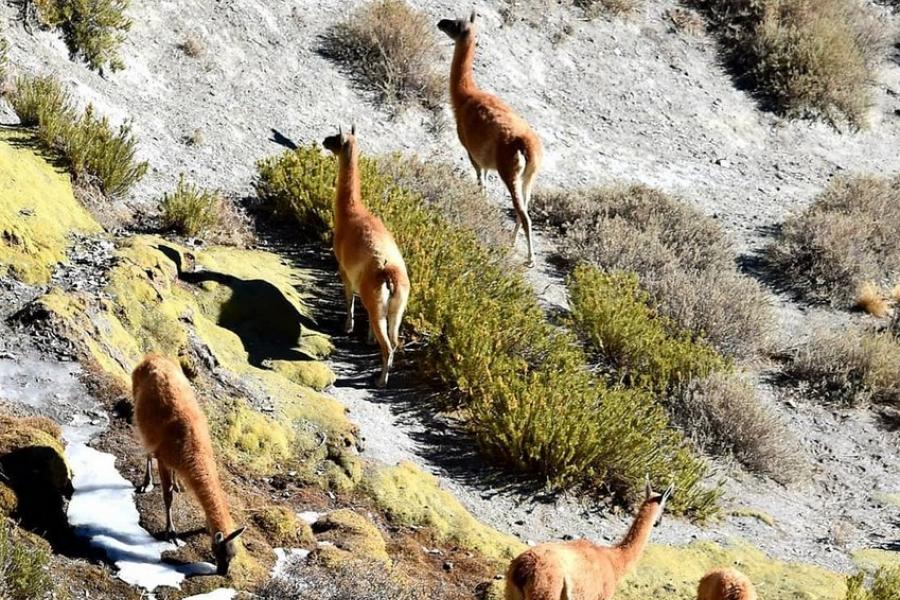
(851,366)
(391,49)
(871,300)
(885,586)
(594,8)
(724,416)
(640,348)
(522,383)
(190,210)
(92,29)
(808,58)
(681,258)
(357,580)
(24,567)
(192,47)
(847,238)
(95,153)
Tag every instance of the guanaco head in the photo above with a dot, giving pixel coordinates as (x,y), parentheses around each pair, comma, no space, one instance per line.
(458,29)
(337,143)
(225,549)
(657,501)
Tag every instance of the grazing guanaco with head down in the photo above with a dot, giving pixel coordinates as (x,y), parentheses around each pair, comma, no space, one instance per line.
(581,570)
(494,136)
(174,430)
(369,261)
(726,584)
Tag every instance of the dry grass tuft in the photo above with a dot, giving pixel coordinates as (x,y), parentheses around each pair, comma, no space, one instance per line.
(96,153)
(391,49)
(885,585)
(686,21)
(680,256)
(807,58)
(595,8)
(846,238)
(24,566)
(192,47)
(723,416)
(895,293)
(849,367)
(194,211)
(869,299)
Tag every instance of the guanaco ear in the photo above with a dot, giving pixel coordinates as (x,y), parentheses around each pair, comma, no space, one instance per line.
(472,16)
(235,535)
(668,493)
(353,129)
(648,489)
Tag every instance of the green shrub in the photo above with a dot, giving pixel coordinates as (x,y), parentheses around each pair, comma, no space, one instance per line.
(95,153)
(645,350)
(522,383)
(886,585)
(849,367)
(92,29)
(391,49)
(191,210)
(847,238)
(641,348)
(24,567)
(680,256)
(809,58)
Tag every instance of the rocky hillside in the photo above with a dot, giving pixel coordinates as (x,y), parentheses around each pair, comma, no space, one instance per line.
(339,481)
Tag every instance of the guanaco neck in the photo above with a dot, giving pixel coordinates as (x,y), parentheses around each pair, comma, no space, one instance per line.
(348,197)
(462,81)
(628,551)
(206,486)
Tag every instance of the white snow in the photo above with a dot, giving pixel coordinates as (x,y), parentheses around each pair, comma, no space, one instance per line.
(309,517)
(102,509)
(286,556)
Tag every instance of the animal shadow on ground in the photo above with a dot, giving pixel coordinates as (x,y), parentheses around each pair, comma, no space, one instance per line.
(269,326)
(419,402)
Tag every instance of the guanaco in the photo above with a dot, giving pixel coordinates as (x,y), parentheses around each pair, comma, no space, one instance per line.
(369,261)
(581,570)
(726,584)
(174,431)
(494,136)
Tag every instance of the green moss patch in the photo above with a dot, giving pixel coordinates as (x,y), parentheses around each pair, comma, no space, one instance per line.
(348,536)
(36,475)
(409,496)
(673,573)
(38,211)
(283,528)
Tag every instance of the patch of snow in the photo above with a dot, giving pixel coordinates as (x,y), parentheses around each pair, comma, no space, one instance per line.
(285,557)
(102,509)
(309,517)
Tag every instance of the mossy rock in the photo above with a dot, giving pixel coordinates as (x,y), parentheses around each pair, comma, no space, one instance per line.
(313,374)
(158,298)
(259,442)
(283,528)
(33,461)
(412,497)
(349,536)
(38,210)
(670,573)
(8,501)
